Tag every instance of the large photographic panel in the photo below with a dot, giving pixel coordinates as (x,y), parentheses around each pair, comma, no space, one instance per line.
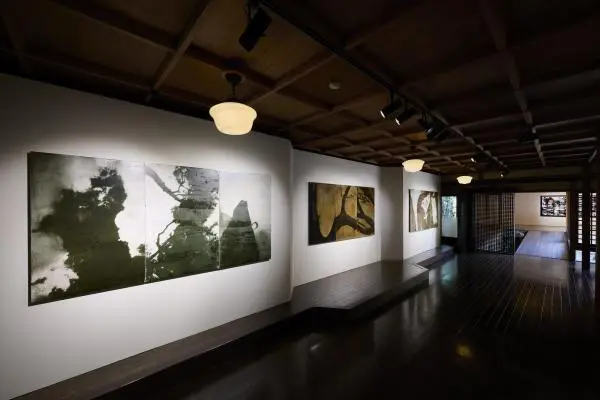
(182,209)
(245,221)
(98,225)
(87,231)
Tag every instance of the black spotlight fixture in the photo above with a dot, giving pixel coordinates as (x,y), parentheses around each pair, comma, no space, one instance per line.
(433,127)
(391,108)
(258,22)
(478,158)
(404,115)
(504,173)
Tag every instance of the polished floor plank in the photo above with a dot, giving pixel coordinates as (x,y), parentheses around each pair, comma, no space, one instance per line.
(341,296)
(542,228)
(488,326)
(544,244)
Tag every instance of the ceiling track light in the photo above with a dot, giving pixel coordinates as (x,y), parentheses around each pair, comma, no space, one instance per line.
(433,127)
(504,173)
(405,115)
(478,158)
(258,22)
(391,108)
(233,117)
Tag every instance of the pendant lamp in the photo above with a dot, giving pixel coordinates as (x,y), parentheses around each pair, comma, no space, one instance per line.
(233,117)
(464,179)
(413,165)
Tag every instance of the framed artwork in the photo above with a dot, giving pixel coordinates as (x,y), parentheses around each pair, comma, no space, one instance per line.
(553,206)
(423,210)
(98,225)
(339,212)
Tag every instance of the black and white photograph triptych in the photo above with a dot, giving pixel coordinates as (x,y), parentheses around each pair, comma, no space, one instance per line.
(98,225)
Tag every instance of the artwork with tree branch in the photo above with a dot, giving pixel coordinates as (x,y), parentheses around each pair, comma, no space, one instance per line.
(98,225)
(423,210)
(182,221)
(338,212)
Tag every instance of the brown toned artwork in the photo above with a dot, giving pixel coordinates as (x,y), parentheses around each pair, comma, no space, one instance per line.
(339,212)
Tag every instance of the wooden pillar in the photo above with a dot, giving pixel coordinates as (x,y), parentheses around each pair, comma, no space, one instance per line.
(597,186)
(572,223)
(465,215)
(585,220)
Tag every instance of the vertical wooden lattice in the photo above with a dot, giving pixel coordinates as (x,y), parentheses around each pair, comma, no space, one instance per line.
(592,219)
(494,222)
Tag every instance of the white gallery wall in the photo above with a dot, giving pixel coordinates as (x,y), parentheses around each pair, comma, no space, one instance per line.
(527,210)
(418,242)
(390,205)
(318,261)
(44,344)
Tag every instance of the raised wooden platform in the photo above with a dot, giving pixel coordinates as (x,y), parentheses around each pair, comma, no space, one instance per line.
(347,295)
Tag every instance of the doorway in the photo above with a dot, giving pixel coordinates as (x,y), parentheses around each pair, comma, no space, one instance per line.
(542,218)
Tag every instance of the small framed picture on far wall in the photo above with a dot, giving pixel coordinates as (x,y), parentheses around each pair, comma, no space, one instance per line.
(553,206)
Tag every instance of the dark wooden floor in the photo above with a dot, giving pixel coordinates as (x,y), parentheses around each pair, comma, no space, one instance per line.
(488,326)
(546,244)
(340,297)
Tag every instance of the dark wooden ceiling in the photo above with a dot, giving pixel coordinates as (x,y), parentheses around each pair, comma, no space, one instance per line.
(493,71)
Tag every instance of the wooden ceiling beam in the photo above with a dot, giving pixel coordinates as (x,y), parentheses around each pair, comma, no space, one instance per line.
(80,67)
(321,32)
(518,117)
(325,56)
(136,29)
(498,120)
(371,126)
(568,150)
(585,73)
(494,16)
(334,110)
(453,64)
(121,23)
(386,136)
(426,157)
(532,154)
(7,12)
(549,143)
(185,40)
(572,156)
(569,121)
(404,148)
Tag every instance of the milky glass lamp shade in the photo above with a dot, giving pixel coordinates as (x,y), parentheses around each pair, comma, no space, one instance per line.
(233,118)
(413,165)
(464,180)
